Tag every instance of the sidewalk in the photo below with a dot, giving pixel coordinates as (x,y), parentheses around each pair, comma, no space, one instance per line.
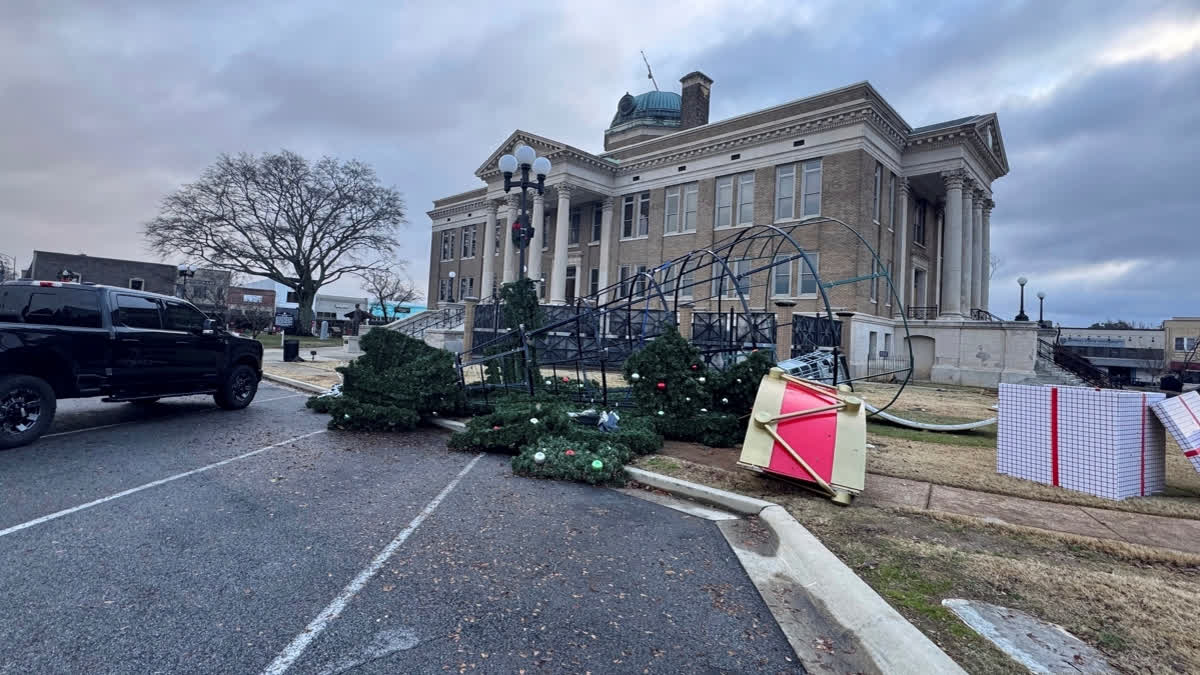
(1179,534)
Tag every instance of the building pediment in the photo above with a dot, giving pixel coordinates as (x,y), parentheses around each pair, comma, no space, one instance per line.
(545,147)
(979,133)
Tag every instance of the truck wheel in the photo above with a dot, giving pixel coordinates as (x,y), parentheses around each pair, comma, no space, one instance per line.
(238,389)
(27,406)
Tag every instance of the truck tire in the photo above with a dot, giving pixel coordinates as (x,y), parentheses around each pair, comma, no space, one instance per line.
(27,406)
(238,389)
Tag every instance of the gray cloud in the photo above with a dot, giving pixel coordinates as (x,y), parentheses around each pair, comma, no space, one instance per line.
(110,106)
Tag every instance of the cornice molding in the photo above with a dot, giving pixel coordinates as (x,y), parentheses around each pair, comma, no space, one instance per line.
(966,135)
(448,211)
(862,114)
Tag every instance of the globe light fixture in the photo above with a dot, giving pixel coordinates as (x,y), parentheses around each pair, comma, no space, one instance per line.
(525,160)
(1041,295)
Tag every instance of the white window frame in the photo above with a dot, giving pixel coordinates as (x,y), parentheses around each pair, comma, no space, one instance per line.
(690,204)
(887,345)
(924,294)
(813,173)
(574,225)
(468,241)
(724,186)
(594,281)
(674,195)
(891,202)
(623,274)
(466,287)
(687,282)
(1188,344)
(815,256)
(597,224)
(141,282)
(786,268)
(785,175)
(639,223)
(447,245)
(745,186)
(501,228)
(738,267)
(920,223)
(877,193)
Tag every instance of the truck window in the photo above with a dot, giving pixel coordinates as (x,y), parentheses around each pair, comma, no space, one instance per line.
(73,308)
(184,317)
(138,312)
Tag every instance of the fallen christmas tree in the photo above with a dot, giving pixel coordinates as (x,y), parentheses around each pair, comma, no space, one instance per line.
(394,384)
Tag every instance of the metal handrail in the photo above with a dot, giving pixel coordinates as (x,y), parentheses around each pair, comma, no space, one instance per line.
(443,317)
(1077,365)
(984,315)
(923,313)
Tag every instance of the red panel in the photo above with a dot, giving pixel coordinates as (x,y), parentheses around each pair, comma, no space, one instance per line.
(812,437)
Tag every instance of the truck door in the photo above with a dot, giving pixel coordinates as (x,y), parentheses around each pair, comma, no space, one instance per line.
(143,351)
(198,355)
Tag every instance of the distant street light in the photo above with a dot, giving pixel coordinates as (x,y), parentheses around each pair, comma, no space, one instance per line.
(1041,306)
(527,160)
(1021,315)
(450,293)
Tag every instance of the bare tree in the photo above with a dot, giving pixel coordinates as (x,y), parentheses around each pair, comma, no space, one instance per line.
(304,225)
(994,263)
(253,319)
(389,284)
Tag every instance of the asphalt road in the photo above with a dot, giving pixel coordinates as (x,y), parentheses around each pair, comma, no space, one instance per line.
(189,539)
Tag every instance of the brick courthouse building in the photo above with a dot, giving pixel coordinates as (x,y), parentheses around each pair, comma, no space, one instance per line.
(670,182)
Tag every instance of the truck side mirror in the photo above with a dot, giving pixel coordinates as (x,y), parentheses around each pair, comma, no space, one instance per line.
(208,327)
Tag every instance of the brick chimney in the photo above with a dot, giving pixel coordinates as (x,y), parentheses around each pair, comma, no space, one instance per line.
(694,101)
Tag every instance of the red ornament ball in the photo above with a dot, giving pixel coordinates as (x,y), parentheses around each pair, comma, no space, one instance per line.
(566,379)
(661,385)
(569,453)
(694,366)
(496,428)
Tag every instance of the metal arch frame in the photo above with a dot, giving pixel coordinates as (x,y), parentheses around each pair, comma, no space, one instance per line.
(718,255)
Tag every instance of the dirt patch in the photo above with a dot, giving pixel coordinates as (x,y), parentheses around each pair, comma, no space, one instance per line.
(1128,602)
(320,373)
(964,403)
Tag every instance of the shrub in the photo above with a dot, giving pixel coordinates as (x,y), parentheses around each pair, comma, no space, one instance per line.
(714,429)
(636,434)
(572,459)
(738,384)
(670,361)
(350,414)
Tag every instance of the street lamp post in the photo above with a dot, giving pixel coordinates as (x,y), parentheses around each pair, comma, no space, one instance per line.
(450,293)
(185,272)
(1041,307)
(1021,315)
(526,159)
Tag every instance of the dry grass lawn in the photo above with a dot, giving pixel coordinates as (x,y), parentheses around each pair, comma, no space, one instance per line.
(1132,603)
(968,460)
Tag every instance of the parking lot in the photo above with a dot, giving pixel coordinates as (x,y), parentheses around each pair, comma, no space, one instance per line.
(188,539)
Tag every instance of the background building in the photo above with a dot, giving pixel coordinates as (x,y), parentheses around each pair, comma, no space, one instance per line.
(1182,334)
(135,274)
(1128,355)
(670,182)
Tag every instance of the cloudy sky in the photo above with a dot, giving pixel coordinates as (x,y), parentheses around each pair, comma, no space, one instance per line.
(106,107)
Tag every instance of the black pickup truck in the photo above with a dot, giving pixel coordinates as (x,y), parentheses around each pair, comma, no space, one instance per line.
(69,340)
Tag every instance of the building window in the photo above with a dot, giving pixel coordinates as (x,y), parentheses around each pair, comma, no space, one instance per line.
(594,281)
(572,278)
(781,277)
(1185,344)
(872,344)
(691,193)
(632,281)
(447,245)
(891,202)
(501,227)
(635,216)
(546,220)
(876,194)
(468,241)
(745,198)
(573,227)
(735,190)
(671,217)
(724,211)
(466,288)
(785,192)
(723,285)
(887,345)
(137,284)
(919,223)
(686,283)
(812,188)
(876,268)
(918,296)
(808,277)
(597,222)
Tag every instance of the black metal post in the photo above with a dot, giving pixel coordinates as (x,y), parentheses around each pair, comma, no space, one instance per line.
(1021,316)
(524,230)
(1041,314)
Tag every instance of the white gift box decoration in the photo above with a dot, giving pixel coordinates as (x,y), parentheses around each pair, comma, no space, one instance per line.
(1181,416)
(1104,442)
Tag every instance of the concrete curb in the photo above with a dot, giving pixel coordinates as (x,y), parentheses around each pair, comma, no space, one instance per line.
(730,501)
(297,384)
(894,644)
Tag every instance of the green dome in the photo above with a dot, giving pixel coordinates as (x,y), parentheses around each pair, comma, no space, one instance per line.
(655,107)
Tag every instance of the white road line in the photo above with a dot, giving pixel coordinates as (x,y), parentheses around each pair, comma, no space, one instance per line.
(151,419)
(293,651)
(147,486)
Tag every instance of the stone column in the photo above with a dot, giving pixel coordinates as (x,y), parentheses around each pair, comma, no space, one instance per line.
(469,304)
(964,291)
(951,273)
(489,251)
(558,277)
(606,243)
(900,252)
(986,252)
(535,246)
(978,266)
(510,249)
(683,314)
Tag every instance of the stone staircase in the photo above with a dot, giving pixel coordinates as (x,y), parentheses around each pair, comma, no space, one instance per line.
(1048,372)
(445,317)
